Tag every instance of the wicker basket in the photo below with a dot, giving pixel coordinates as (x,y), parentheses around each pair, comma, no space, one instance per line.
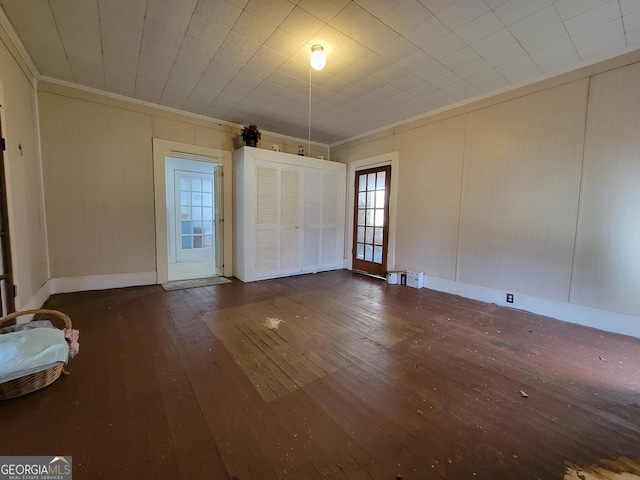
(34,381)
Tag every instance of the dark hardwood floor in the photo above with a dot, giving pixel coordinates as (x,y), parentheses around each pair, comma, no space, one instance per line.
(333,375)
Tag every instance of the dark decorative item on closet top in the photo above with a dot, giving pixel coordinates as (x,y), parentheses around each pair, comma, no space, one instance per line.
(251,135)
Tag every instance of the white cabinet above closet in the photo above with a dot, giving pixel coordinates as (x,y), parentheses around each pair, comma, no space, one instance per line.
(288,214)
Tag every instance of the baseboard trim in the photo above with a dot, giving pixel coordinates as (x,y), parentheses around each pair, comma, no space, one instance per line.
(567,312)
(101,282)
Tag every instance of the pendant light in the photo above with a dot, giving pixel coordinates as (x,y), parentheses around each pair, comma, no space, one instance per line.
(318,59)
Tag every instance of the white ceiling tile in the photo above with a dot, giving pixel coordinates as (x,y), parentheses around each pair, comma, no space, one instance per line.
(430,72)
(398,49)
(378,7)
(632,21)
(75,41)
(513,10)
(370,31)
(517,64)
(458,59)
(472,69)
(253,27)
(372,63)
(115,68)
(522,74)
(535,23)
(71,20)
(495,3)
(455,88)
(201,49)
(427,32)
(495,85)
(603,49)
(163,36)
(407,82)
(81,7)
(593,18)
(270,11)
(633,38)
(325,10)
(435,6)
(301,24)
(120,86)
(629,6)
(485,77)
(423,89)
(571,8)
(212,21)
(406,16)
(461,12)
(389,73)
(172,14)
(240,46)
(136,7)
(416,61)
(283,42)
(112,16)
(544,39)
(557,50)
(605,32)
(35,9)
(506,55)
(338,45)
(445,46)
(494,42)
(445,79)
(479,28)
(560,63)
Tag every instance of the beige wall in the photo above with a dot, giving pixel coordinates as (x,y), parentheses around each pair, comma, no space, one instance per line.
(98,176)
(24,185)
(534,191)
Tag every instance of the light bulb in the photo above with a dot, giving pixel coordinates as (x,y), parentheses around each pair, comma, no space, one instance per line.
(318,59)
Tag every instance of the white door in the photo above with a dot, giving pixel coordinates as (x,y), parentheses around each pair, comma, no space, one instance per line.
(195,217)
(277,219)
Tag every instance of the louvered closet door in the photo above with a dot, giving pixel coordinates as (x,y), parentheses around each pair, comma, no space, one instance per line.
(320,220)
(277,220)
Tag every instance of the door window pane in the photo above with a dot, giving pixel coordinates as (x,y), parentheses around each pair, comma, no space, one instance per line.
(378,236)
(379,217)
(368,253)
(360,251)
(371,181)
(382,176)
(371,199)
(368,238)
(377,254)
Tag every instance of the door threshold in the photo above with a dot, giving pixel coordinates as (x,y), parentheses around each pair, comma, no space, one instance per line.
(362,272)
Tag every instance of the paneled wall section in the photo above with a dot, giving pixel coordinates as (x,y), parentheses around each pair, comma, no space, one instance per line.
(533,192)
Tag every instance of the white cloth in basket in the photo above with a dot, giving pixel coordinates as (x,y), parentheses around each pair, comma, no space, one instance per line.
(31,351)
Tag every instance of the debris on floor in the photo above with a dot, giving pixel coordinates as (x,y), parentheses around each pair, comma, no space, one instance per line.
(273,323)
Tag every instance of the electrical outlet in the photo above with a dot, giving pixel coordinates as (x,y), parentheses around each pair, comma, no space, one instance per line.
(509,297)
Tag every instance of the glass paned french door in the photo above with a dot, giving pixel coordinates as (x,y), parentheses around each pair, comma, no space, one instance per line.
(196,219)
(371,220)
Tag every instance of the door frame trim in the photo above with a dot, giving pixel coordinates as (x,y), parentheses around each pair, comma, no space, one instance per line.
(392,159)
(161,149)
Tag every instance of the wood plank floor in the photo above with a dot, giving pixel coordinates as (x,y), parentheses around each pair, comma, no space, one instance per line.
(333,375)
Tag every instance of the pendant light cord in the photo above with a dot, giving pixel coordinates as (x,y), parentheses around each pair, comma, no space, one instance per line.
(309,151)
